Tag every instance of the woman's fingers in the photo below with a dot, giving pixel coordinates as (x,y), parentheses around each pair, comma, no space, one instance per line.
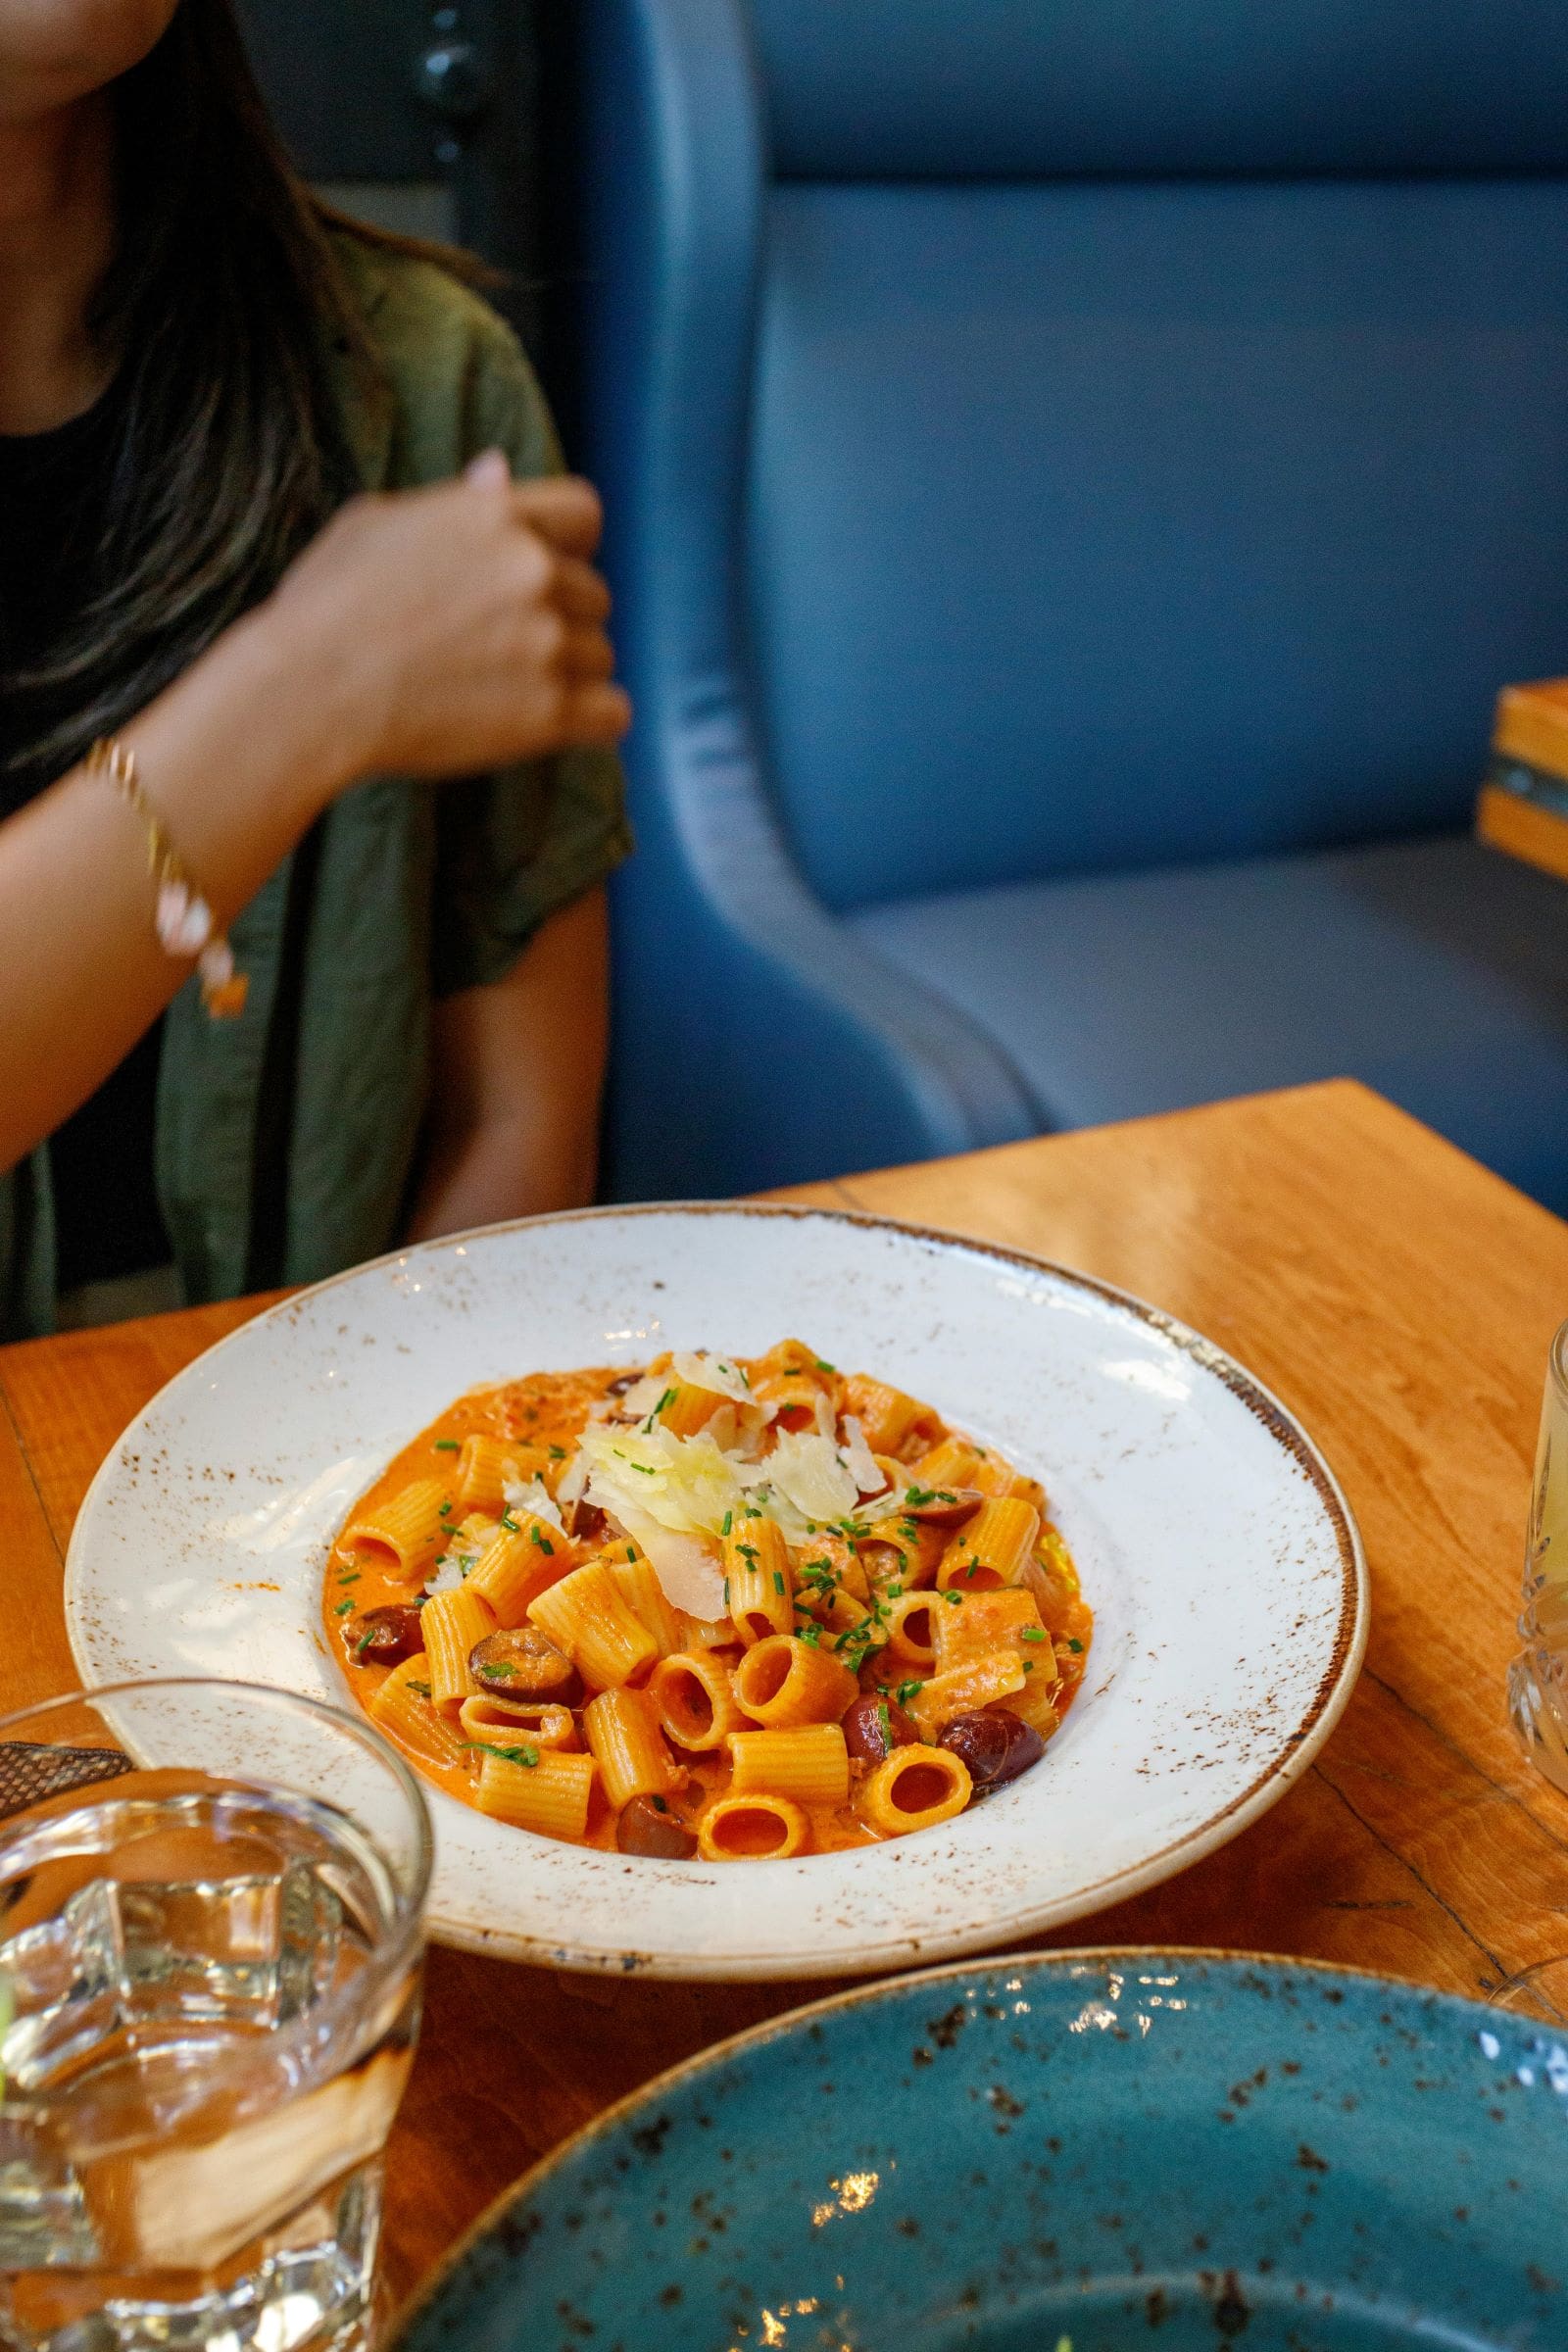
(562,508)
(579,591)
(587,655)
(598,714)
(563,511)
(470,622)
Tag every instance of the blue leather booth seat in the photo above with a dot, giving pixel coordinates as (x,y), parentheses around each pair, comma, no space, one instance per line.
(1079,471)
(1435,970)
(1093,527)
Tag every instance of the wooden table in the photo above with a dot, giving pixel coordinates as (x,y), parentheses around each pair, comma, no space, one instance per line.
(1395,1294)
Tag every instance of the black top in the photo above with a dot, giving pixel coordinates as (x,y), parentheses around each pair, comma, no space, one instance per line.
(54,491)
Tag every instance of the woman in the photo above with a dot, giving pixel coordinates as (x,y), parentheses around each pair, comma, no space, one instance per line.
(220,407)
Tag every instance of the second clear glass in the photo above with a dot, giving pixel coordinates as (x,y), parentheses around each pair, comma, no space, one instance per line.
(1538,1679)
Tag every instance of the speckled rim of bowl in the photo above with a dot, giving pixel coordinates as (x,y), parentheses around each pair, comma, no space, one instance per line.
(1268,1786)
(717,2054)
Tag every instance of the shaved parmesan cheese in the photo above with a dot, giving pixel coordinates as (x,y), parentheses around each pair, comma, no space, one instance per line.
(673,1495)
(676,1497)
(861,1463)
(705,1371)
(721,1428)
(686,1484)
(807,1470)
(641,1397)
(572,1479)
(745,1445)
(688,1569)
(534,1496)
(446,1578)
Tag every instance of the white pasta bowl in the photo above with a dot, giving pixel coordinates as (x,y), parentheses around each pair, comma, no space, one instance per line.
(1216,1551)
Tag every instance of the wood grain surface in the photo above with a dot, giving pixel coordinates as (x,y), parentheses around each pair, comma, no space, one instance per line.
(1394,1295)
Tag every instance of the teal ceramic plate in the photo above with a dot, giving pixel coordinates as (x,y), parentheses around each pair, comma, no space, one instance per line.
(1123,2149)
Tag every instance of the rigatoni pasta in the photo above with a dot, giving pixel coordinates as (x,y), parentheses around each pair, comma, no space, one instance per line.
(408,1528)
(540,1789)
(539,1723)
(962,1690)
(622,1731)
(482,1472)
(810,1764)
(916,1789)
(716,1610)
(521,1560)
(991,1548)
(602,1633)
(753,1829)
(911,1632)
(696,1702)
(758,1581)
(789,1680)
(400,1707)
(971,1623)
(453,1624)
(646,1597)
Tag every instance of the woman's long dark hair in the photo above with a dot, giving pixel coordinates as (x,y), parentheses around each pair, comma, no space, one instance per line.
(220,307)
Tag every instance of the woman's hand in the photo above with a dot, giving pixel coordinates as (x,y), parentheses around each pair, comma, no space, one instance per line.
(438,631)
(455,628)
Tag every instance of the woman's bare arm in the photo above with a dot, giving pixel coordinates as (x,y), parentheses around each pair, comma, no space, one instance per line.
(237,766)
(437,632)
(518,1069)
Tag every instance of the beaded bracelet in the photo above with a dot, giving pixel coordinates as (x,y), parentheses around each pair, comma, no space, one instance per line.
(185,920)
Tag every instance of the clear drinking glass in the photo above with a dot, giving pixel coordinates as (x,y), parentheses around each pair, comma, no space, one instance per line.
(1538,1679)
(210,1956)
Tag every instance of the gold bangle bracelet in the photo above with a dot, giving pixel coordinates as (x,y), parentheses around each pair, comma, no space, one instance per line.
(183,919)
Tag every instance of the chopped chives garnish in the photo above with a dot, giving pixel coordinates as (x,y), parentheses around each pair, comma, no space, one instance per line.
(528,1756)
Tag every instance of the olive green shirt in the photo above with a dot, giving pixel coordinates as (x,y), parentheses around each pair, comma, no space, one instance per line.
(285,1139)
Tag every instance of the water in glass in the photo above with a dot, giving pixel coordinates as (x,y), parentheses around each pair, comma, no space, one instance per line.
(1538,1679)
(196,2088)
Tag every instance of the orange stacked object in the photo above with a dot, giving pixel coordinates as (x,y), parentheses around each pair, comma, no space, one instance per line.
(1523,807)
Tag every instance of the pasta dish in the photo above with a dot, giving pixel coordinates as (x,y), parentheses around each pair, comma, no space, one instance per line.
(740,1610)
